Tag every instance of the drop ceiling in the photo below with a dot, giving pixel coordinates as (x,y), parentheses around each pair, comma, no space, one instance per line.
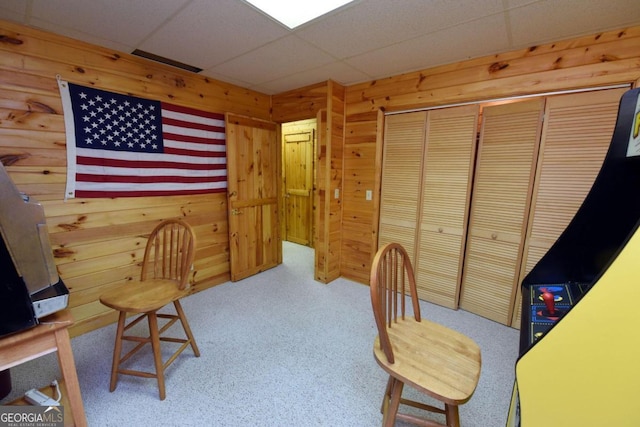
(232,41)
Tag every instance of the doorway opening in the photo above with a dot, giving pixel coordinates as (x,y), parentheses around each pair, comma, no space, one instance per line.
(299,181)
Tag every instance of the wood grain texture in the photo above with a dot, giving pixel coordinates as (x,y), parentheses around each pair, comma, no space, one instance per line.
(32,136)
(506,164)
(97,243)
(606,58)
(449,157)
(575,138)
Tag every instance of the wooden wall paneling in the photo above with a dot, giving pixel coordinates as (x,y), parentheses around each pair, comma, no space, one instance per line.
(96,249)
(402,166)
(299,104)
(30,59)
(449,156)
(575,137)
(326,101)
(606,58)
(83,63)
(360,217)
(335,162)
(589,61)
(321,238)
(502,189)
(96,241)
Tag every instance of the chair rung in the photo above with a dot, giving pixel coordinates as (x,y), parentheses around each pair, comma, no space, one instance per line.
(167,326)
(137,373)
(167,316)
(422,406)
(134,322)
(418,421)
(175,355)
(176,340)
(135,338)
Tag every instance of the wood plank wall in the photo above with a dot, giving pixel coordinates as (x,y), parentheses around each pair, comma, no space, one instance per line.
(98,243)
(601,59)
(305,103)
(299,104)
(332,224)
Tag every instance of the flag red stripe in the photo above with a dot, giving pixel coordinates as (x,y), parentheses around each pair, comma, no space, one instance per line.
(191,125)
(189,138)
(148,179)
(142,164)
(193,111)
(194,153)
(146,193)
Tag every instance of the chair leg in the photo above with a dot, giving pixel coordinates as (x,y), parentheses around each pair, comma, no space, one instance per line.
(157,352)
(117,348)
(387,395)
(453,418)
(389,417)
(185,326)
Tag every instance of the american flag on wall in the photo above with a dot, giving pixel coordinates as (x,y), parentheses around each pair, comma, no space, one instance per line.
(124,146)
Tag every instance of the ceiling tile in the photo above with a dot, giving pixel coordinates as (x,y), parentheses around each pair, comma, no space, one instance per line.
(364,40)
(13,9)
(379,23)
(207,33)
(482,37)
(123,22)
(336,71)
(281,58)
(546,21)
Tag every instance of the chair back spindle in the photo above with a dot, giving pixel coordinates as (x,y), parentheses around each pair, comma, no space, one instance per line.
(169,253)
(392,281)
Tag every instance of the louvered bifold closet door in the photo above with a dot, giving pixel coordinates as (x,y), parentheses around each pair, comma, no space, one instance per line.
(575,138)
(401,175)
(446,186)
(502,187)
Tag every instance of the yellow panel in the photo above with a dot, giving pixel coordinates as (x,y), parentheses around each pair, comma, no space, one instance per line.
(585,371)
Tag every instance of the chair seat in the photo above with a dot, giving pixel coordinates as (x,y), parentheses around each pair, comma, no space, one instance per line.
(142,297)
(434,359)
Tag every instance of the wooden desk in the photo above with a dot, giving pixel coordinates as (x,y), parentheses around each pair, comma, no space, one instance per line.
(49,336)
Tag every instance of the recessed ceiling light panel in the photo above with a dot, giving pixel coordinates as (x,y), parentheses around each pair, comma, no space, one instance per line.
(294,13)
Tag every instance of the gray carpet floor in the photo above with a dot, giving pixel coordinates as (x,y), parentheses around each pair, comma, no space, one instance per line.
(277,349)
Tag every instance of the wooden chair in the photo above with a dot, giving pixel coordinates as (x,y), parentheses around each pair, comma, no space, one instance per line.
(435,360)
(167,264)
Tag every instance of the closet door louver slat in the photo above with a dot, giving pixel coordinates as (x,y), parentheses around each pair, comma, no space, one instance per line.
(501,198)
(575,139)
(446,187)
(401,174)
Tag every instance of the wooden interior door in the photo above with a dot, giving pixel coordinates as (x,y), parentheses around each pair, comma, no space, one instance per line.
(401,176)
(449,156)
(298,145)
(502,188)
(253,164)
